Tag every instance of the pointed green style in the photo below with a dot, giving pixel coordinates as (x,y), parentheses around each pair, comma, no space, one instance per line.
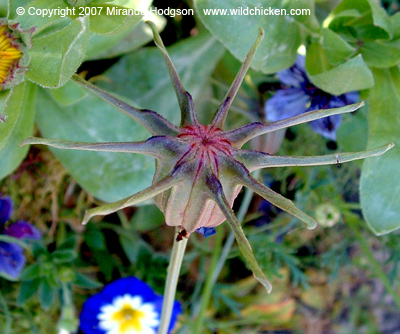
(256,160)
(222,112)
(238,137)
(185,100)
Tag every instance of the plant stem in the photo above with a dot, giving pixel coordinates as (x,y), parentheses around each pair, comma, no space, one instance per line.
(209,284)
(178,250)
(374,263)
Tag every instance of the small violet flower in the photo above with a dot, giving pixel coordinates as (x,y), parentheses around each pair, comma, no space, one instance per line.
(125,306)
(299,95)
(12,258)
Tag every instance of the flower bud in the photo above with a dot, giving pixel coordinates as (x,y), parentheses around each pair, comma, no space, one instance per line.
(327,215)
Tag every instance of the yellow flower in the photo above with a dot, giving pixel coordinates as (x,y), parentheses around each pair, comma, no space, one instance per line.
(9,54)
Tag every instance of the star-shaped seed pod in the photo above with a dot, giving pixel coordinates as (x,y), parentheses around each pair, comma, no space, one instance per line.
(200,169)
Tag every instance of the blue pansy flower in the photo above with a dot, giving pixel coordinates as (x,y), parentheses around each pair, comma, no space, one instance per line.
(12,258)
(299,95)
(125,306)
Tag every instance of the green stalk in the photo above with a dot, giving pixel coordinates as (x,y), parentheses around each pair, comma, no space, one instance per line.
(209,284)
(374,263)
(174,267)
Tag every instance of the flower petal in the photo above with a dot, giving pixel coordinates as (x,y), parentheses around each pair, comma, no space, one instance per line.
(294,76)
(286,103)
(6,208)
(12,259)
(206,231)
(121,288)
(327,126)
(21,230)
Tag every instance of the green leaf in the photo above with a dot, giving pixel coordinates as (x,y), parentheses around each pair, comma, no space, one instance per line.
(46,294)
(147,218)
(62,256)
(103,47)
(109,46)
(111,24)
(55,57)
(352,135)
(69,243)
(18,126)
(78,3)
(337,49)
(94,238)
(86,282)
(365,16)
(194,59)
(108,176)
(380,188)
(380,54)
(4,8)
(395,22)
(41,22)
(238,32)
(132,245)
(27,290)
(31,272)
(351,75)
(68,94)
(5,97)
(317,60)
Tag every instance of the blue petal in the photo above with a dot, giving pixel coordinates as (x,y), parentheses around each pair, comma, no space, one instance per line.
(294,76)
(327,126)
(12,259)
(286,103)
(206,231)
(130,285)
(5,210)
(351,97)
(22,230)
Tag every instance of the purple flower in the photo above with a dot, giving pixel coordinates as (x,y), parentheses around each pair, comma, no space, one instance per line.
(298,95)
(124,306)
(12,258)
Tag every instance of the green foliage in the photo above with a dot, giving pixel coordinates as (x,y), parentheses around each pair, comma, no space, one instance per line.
(283,33)
(56,56)
(195,55)
(354,73)
(51,271)
(379,176)
(353,47)
(19,108)
(109,176)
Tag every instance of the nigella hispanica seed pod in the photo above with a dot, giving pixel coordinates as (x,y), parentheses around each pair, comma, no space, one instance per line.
(200,169)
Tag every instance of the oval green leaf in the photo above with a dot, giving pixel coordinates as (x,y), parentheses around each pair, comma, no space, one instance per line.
(17,127)
(380,187)
(55,57)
